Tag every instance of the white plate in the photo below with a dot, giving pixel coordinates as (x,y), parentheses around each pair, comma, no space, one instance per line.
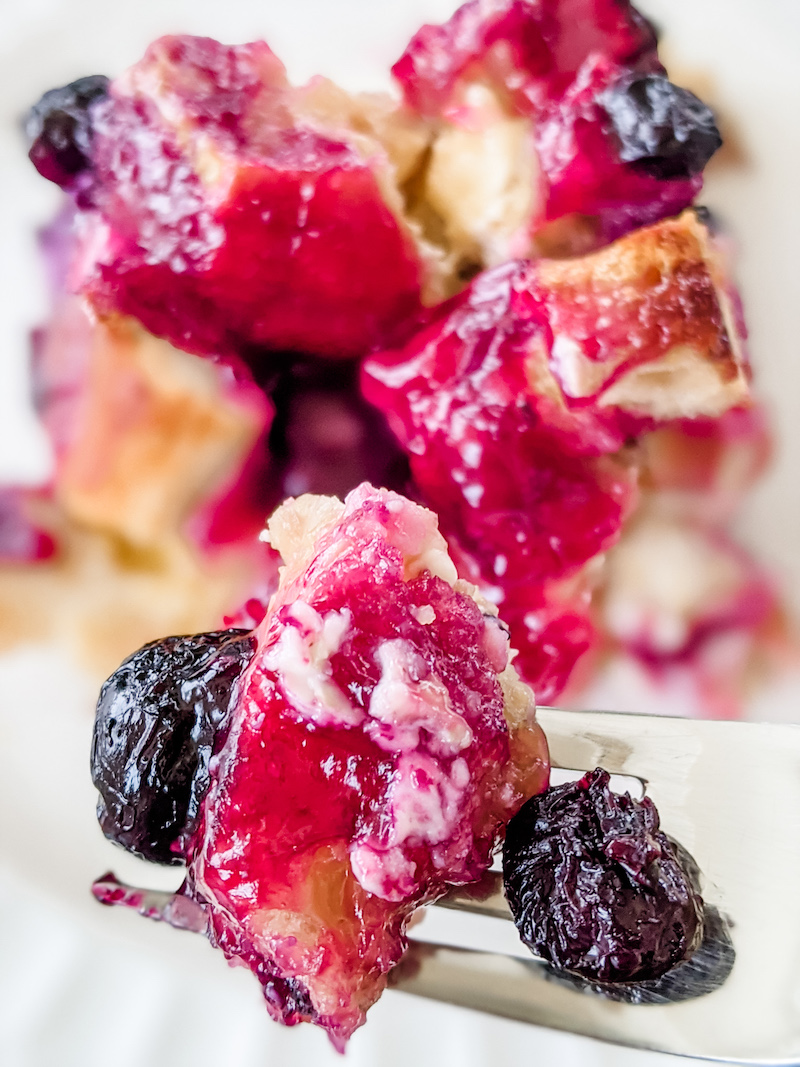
(84,986)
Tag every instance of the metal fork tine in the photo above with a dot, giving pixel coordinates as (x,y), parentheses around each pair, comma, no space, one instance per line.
(730,793)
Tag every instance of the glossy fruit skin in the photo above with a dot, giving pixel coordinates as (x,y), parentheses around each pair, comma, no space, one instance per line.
(159,718)
(665,131)
(596,888)
(59,128)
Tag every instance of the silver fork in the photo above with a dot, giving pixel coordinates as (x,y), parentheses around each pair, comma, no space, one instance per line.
(730,793)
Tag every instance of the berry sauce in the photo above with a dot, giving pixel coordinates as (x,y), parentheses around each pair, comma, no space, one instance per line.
(570,67)
(373,748)
(222,217)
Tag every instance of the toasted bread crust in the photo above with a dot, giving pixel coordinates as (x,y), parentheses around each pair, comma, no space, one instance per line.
(648,324)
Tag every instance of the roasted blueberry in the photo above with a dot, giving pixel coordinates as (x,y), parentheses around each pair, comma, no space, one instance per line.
(60,131)
(596,888)
(663,130)
(157,720)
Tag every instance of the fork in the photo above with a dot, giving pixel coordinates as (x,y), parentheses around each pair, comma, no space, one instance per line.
(730,793)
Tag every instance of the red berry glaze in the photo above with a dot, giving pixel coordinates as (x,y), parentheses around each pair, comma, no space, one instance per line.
(520,512)
(376,745)
(546,42)
(554,64)
(368,763)
(552,629)
(233,213)
(515,403)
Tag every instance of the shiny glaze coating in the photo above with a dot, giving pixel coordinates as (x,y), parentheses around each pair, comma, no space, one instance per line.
(554,64)
(226,221)
(369,762)
(517,404)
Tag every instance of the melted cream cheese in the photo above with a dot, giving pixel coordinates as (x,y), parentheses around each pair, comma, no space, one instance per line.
(301,660)
(408,699)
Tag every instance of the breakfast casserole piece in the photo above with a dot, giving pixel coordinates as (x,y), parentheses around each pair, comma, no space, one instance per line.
(519,403)
(366,759)
(506,245)
(682,607)
(555,128)
(218,203)
(157,495)
(686,609)
(230,211)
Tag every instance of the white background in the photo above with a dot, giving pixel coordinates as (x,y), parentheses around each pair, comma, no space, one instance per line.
(83,986)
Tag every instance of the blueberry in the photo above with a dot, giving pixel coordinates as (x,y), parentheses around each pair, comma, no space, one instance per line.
(158,718)
(663,130)
(596,888)
(59,129)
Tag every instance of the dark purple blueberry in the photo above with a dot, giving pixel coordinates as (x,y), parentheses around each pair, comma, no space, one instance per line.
(596,888)
(158,718)
(663,130)
(59,129)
